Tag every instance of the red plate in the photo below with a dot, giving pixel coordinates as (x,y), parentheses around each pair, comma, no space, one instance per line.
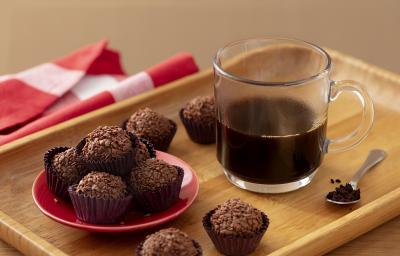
(63,212)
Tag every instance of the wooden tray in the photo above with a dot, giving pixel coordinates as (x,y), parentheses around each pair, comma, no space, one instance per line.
(301,222)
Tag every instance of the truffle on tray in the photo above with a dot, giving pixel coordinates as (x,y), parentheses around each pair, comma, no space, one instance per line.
(169,242)
(235,227)
(198,117)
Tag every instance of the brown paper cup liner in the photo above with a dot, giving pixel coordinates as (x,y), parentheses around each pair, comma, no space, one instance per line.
(98,210)
(163,143)
(139,248)
(120,166)
(160,199)
(232,245)
(55,183)
(198,132)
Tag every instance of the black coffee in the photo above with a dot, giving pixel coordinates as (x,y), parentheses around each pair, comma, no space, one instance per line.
(270,141)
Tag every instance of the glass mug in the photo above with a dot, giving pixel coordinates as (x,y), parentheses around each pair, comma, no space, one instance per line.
(272,97)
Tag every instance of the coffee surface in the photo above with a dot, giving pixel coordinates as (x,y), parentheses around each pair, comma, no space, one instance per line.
(270,141)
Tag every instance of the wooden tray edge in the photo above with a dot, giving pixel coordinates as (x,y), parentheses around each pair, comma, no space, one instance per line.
(345,228)
(24,239)
(378,71)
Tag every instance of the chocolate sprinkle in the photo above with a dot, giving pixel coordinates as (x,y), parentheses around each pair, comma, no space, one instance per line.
(153,174)
(338,181)
(235,217)
(200,109)
(102,185)
(344,193)
(169,242)
(332,181)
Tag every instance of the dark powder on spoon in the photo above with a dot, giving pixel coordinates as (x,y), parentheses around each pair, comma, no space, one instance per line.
(344,193)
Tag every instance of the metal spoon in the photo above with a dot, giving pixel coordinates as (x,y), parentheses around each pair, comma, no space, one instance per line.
(375,156)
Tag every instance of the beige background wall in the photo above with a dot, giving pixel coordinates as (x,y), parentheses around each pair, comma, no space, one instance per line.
(148,31)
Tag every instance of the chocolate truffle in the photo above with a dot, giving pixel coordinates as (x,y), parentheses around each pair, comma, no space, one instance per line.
(198,117)
(63,167)
(169,242)
(235,227)
(156,185)
(153,126)
(235,217)
(153,174)
(102,185)
(68,166)
(109,149)
(107,143)
(200,109)
(100,198)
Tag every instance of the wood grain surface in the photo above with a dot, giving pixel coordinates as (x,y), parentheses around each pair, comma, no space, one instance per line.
(301,221)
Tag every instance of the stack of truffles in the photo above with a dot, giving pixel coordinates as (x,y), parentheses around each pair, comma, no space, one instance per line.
(113,170)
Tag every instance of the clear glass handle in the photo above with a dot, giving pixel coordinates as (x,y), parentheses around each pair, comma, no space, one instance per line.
(354,138)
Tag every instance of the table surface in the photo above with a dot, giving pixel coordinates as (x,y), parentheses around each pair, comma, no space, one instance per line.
(382,241)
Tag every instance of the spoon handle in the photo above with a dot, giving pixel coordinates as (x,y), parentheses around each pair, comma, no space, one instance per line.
(374,157)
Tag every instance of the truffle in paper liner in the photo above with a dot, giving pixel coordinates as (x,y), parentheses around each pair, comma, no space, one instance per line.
(201,133)
(56,184)
(139,248)
(163,143)
(98,210)
(160,199)
(120,166)
(234,245)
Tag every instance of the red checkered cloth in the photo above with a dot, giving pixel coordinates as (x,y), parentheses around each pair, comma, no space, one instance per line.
(85,80)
